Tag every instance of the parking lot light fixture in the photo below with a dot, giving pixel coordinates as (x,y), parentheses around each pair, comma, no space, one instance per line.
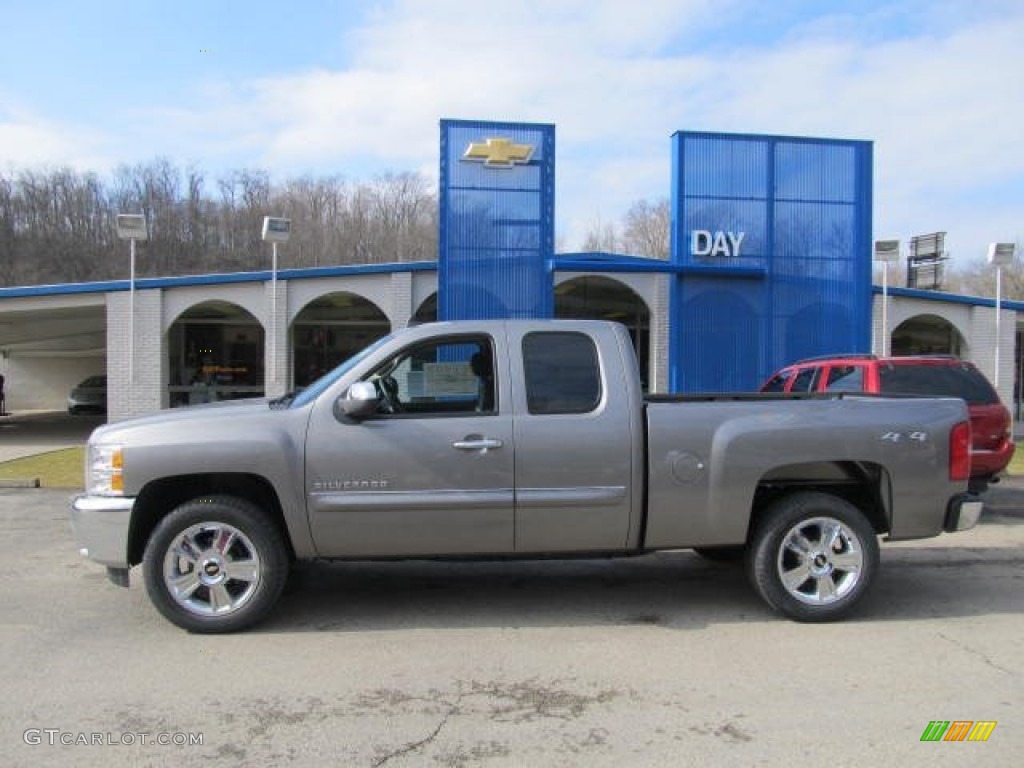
(132,227)
(275,230)
(999,256)
(886,251)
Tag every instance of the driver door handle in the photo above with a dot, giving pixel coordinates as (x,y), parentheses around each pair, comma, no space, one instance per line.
(477,444)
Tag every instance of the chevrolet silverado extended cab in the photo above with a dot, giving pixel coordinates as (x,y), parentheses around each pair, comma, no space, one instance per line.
(524,439)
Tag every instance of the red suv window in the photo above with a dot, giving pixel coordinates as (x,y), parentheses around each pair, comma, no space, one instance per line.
(845,378)
(806,380)
(777,383)
(957,380)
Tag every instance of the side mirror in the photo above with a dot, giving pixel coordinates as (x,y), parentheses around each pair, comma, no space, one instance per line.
(359,402)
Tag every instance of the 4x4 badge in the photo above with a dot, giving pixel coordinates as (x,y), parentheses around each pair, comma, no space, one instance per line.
(895,437)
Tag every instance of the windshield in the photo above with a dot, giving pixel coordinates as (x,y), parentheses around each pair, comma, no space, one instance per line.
(314,390)
(94,381)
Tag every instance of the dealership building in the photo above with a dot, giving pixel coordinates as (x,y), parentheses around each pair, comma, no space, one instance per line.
(771,261)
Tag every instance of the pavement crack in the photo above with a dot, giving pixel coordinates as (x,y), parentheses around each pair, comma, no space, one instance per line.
(453,709)
(975,652)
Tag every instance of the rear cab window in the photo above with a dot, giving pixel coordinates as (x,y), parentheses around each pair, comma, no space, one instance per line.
(562,371)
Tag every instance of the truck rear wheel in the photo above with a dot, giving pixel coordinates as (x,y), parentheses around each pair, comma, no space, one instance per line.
(215,564)
(813,556)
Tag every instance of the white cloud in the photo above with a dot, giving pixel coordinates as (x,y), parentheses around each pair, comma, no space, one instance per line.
(939,94)
(27,140)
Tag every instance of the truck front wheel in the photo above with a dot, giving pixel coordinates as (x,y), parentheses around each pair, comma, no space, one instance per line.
(813,556)
(215,564)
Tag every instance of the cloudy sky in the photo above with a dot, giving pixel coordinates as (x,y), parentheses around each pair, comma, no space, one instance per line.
(358,88)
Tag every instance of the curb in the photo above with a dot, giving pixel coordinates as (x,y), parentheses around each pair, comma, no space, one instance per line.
(18,482)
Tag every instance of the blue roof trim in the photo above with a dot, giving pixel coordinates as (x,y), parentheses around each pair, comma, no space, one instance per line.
(949,298)
(710,271)
(606,257)
(355,269)
(66,289)
(586,262)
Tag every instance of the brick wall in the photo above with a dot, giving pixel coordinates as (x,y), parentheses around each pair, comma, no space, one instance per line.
(137,376)
(660,311)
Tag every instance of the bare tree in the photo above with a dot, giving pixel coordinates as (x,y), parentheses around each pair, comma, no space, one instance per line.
(601,238)
(8,232)
(978,278)
(646,230)
(397,203)
(58,225)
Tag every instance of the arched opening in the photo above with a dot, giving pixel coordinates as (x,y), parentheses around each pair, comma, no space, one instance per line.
(426,312)
(927,335)
(331,329)
(215,352)
(601,298)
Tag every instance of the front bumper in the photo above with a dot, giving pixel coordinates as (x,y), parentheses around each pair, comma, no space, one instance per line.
(100,525)
(963,513)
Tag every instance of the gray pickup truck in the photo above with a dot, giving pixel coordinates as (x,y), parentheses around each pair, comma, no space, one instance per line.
(523,439)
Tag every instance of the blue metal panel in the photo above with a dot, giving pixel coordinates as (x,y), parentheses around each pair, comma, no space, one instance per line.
(497,221)
(722,328)
(804,209)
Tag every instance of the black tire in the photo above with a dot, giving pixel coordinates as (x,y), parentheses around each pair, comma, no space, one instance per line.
(722,554)
(231,566)
(813,557)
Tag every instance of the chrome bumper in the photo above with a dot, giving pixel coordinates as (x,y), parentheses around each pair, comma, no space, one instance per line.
(963,513)
(100,525)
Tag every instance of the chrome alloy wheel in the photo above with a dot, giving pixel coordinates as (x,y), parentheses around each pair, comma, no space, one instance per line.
(820,561)
(211,569)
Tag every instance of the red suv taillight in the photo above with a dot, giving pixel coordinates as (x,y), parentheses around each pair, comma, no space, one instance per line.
(960,452)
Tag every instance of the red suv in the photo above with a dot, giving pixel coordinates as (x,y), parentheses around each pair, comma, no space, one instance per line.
(992,440)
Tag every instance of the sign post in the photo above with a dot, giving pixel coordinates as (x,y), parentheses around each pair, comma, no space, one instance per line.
(275,230)
(999,255)
(132,227)
(886,251)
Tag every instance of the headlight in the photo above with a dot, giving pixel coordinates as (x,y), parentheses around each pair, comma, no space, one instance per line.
(104,470)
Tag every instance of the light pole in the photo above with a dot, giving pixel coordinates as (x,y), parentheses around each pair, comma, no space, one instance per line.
(886,251)
(999,255)
(132,227)
(275,231)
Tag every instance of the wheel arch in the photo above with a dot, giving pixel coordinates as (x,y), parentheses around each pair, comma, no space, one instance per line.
(865,485)
(160,497)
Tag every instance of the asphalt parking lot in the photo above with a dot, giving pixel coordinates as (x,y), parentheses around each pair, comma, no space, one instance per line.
(28,433)
(665,660)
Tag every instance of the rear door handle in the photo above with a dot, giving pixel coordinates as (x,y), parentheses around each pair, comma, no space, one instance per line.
(477,444)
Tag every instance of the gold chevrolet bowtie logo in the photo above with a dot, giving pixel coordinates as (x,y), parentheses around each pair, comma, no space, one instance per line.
(499,153)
